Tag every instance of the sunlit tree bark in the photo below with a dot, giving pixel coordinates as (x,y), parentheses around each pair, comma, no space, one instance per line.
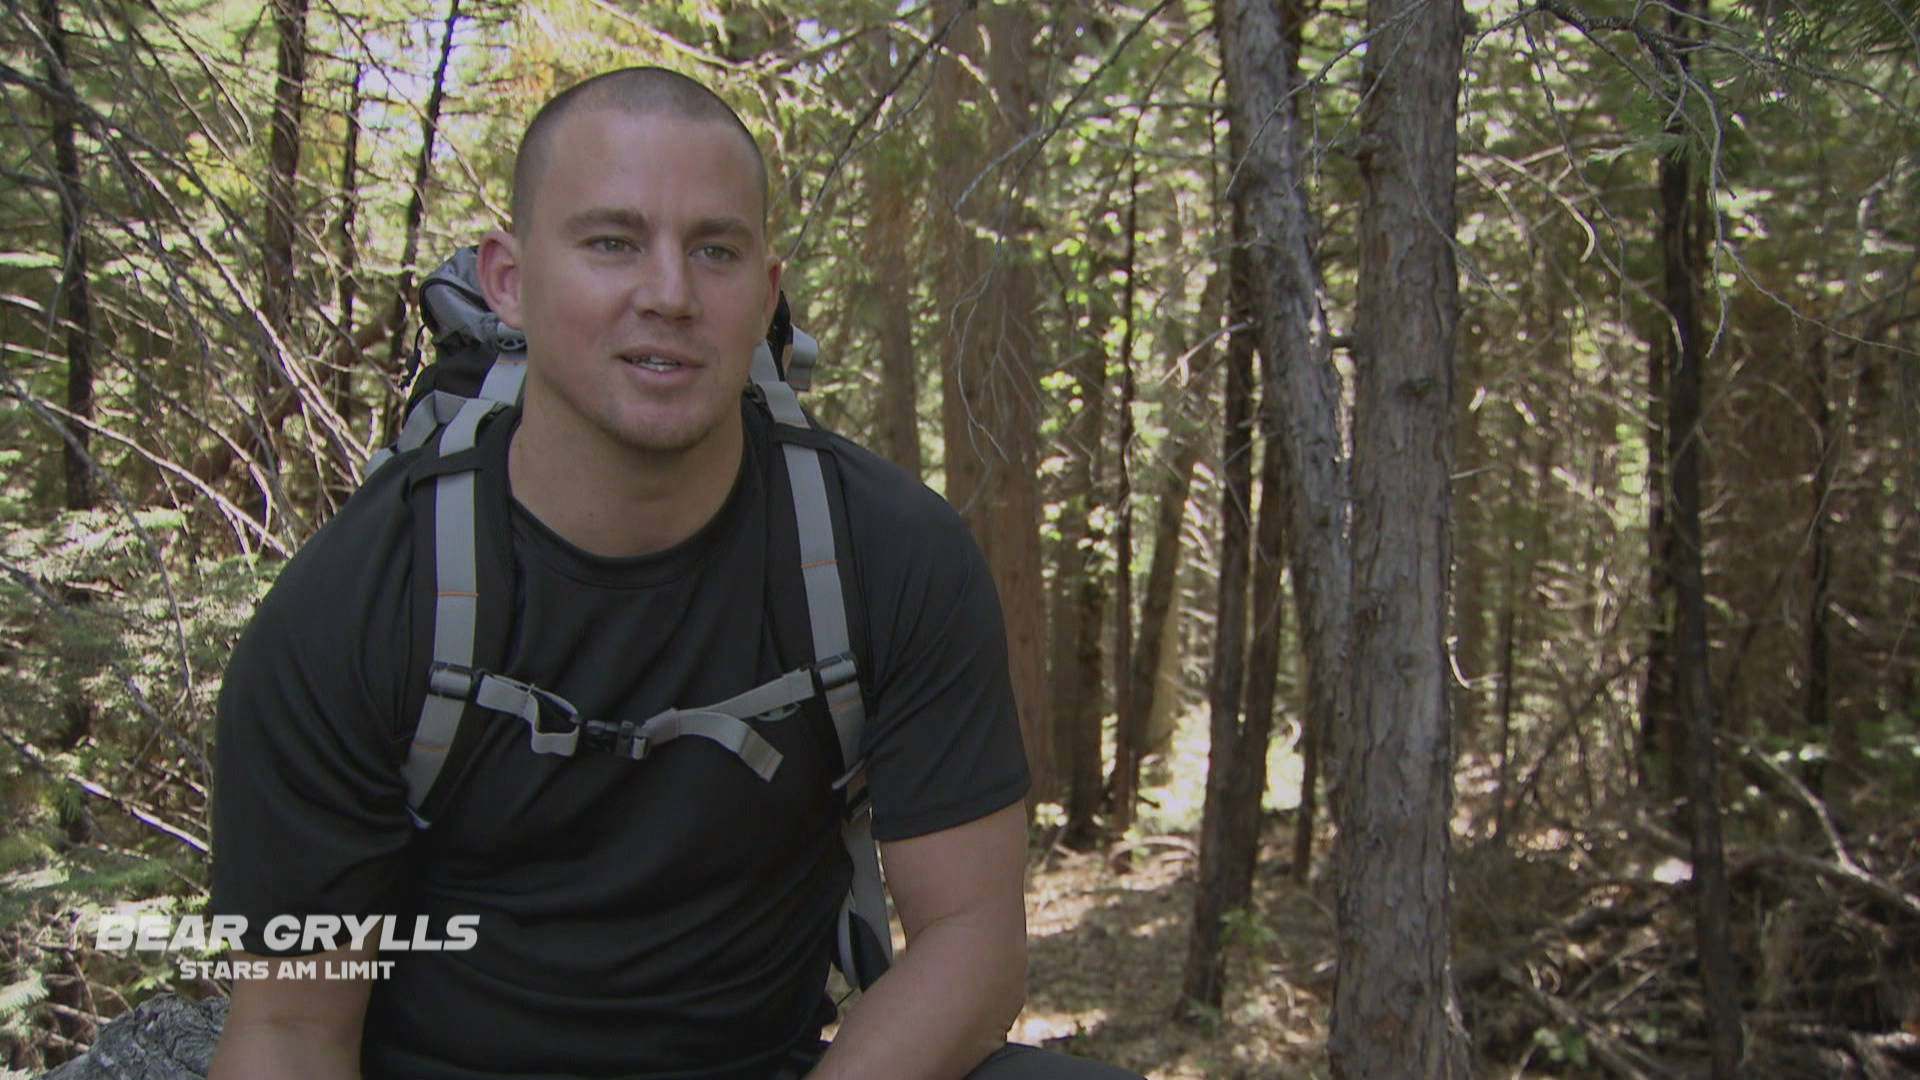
(1394,1013)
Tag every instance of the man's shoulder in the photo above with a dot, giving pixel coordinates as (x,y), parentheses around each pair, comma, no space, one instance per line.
(891,513)
(885,498)
(372,529)
(349,582)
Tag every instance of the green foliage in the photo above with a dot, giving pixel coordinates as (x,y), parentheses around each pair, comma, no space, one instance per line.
(18,997)
(1564,1046)
(1247,930)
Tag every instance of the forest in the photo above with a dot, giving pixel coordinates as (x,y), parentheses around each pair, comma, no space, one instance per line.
(1451,470)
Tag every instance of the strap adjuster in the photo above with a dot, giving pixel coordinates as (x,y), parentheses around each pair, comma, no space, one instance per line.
(623,740)
(450,680)
(564,740)
(835,672)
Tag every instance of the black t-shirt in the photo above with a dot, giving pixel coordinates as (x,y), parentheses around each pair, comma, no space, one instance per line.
(668,917)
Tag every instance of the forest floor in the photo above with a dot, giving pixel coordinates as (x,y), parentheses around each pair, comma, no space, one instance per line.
(1575,963)
(1573,943)
(1108,951)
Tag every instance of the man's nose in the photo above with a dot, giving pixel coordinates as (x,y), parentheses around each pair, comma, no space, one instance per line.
(665,287)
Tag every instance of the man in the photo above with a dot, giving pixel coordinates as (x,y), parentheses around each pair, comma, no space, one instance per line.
(668,917)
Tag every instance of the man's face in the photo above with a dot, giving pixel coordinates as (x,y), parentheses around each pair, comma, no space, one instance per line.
(642,280)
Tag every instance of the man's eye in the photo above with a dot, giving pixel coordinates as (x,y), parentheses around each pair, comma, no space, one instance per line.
(611,245)
(718,253)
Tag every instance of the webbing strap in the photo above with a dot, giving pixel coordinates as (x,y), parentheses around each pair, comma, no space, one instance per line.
(801,356)
(865,940)
(728,731)
(826,602)
(505,377)
(437,409)
(724,723)
(780,398)
(455,610)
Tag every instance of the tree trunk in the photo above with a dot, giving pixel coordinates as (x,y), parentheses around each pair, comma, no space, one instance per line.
(283,173)
(1203,985)
(75,286)
(1394,1012)
(1130,719)
(889,231)
(1230,827)
(347,239)
(1079,671)
(276,291)
(1693,678)
(1302,388)
(1157,615)
(990,389)
(1658,749)
(1817,713)
(416,215)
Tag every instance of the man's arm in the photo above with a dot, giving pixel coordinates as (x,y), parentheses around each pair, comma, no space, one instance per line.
(294,1029)
(948,1000)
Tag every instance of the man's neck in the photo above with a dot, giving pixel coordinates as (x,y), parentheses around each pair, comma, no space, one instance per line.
(612,500)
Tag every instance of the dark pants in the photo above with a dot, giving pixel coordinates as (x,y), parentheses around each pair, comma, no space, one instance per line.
(1017,1062)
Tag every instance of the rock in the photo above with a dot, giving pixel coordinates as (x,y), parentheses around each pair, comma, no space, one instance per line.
(166,1038)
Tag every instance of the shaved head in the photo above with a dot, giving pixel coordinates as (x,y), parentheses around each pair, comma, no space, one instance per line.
(637,91)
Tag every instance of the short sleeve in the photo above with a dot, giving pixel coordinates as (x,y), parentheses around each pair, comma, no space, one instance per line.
(943,739)
(309,809)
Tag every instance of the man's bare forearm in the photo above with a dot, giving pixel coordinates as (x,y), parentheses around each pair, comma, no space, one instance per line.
(295,1029)
(945,1005)
(278,1051)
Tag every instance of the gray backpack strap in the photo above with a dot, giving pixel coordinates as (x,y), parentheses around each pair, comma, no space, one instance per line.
(801,356)
(455,609)
(865,938)
(557,728)
(437,410)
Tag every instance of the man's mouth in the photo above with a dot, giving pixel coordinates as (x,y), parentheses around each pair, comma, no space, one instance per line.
(653,363)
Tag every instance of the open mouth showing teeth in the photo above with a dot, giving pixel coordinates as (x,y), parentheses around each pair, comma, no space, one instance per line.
(652,363)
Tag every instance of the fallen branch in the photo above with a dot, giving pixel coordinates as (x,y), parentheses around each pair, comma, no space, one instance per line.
(1862,880)
(1617,1057)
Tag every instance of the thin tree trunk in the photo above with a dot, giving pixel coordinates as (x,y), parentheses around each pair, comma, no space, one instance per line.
(1130,719)
(348,241)
(1658,750)
(416,215)
(1694,679)
(1394,1011)
(283,172)
(1079,677)
(1302,388)
(75,285)
(1818,715)
(1163,574)
(1202,986)
(1083,712)
(1230,824)
(1509,627)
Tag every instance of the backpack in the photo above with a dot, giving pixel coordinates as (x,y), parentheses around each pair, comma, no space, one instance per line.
(478,369)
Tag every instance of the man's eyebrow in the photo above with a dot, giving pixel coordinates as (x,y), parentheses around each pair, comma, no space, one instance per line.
(614,217)
(736,228)
(604,218)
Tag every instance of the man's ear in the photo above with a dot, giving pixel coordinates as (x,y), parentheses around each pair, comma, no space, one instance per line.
(500,275)
(774,271)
